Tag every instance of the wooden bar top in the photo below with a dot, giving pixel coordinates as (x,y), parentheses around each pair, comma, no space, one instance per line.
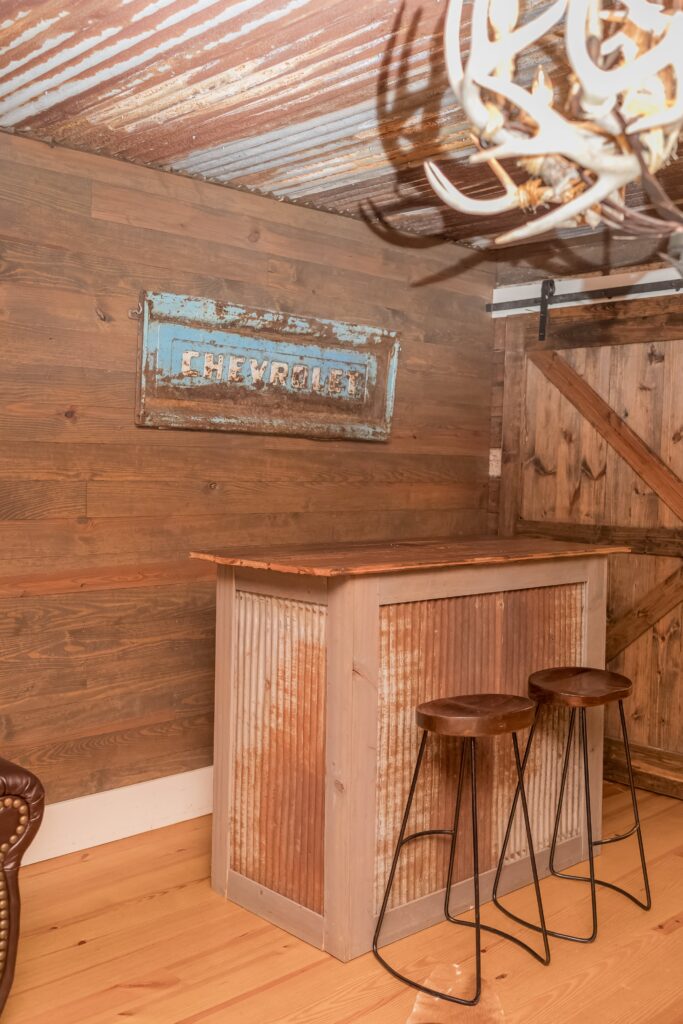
(402,556)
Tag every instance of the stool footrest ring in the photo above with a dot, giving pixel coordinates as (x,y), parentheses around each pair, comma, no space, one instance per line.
(616,839)
(403,839)
(426,832)
(504,935)
(592,843)
(606,885)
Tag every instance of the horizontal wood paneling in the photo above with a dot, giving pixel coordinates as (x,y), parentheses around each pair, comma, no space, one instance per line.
(140,498)
(87,542)
(111,684)
(42,499)
(97,685)
(123,578)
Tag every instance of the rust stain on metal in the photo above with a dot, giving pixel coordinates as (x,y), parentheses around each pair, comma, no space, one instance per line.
(314,101)
(208,365)
(279,768)
(482,642)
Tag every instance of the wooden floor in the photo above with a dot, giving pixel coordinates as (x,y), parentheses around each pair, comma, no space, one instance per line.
(132,931)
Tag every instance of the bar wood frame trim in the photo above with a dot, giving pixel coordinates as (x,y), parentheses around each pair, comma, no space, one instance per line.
(223,729)
(594,656)
(351,761)
(277,909)
(351,764)
(484,579)
(282,584)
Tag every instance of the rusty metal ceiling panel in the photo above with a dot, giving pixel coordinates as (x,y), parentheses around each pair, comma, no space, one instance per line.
(322,102)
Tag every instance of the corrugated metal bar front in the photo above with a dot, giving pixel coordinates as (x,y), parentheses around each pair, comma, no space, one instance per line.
(279,761)
(484,642)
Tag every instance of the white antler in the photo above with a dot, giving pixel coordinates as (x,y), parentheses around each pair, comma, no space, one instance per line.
(599,85)
(486,57)
(627,64)
(466,204)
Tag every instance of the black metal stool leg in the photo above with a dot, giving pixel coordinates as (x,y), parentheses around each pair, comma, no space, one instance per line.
(560,798)
(532,856)
(521,792)
(592,843)
(402,840)
(645,904)
(476,924)
(456,821)
(475,867)
(470,744)
(589,829)
(545,958)
(397,853)
(556,831)
(511,816)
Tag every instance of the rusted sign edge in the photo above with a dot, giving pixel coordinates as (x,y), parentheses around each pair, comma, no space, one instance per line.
(192,311)
(210,314)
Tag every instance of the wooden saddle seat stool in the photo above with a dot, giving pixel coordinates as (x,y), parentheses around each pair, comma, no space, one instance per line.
(22,801)
(578,688)
(470,717)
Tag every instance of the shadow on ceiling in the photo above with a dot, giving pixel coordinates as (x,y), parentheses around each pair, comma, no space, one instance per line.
(408,119)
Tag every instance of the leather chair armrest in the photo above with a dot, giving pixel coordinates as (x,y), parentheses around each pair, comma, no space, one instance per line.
(22,802)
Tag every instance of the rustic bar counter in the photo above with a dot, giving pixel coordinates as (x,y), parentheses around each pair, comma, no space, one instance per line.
(321,657)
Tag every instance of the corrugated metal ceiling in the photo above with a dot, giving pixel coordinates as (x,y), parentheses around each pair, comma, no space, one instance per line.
(324,102)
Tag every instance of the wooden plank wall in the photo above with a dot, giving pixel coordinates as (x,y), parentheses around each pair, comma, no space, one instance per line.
(106,633)
(565,478)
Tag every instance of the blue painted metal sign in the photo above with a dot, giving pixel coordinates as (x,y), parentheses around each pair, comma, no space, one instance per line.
(209,365)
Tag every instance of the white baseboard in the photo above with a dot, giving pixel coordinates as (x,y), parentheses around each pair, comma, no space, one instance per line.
(104,817)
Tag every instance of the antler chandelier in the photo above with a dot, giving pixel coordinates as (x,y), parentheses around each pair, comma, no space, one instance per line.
(620,121)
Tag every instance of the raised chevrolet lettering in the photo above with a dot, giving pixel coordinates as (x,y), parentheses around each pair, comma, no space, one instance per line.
(237,369)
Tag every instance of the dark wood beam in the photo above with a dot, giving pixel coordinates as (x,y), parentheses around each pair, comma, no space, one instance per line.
(608,323)
(637,620)
(642,460)
(642,540)
(659,771)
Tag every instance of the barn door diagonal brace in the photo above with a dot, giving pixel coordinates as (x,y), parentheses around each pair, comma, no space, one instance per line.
(657,474)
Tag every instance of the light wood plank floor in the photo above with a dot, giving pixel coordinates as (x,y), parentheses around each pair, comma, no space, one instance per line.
(132,931)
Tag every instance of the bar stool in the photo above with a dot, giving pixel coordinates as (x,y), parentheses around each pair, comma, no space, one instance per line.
(470,717)
(579,688)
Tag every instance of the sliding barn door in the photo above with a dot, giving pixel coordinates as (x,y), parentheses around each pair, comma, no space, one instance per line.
(592,439)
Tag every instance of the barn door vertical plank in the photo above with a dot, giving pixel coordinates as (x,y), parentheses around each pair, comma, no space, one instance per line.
(513,426)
